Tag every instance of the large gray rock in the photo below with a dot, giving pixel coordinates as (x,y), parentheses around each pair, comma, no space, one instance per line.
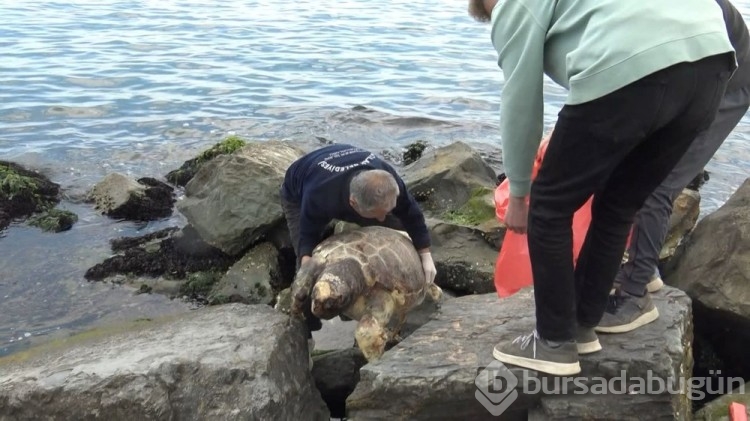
(714,270)
(231,362)
(233,200)
(432,373)
(445,178)
(254,279)
(464,256)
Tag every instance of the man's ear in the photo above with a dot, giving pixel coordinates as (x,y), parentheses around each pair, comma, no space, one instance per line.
(352,202)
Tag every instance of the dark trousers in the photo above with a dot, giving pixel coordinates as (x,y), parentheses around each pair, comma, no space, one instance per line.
(652,220)
(619,148)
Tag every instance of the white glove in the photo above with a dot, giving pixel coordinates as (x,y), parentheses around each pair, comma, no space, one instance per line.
(429,267)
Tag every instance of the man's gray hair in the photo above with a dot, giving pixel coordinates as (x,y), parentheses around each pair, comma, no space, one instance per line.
(374,189)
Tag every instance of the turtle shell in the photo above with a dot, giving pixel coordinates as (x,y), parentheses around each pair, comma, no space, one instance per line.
(387,257)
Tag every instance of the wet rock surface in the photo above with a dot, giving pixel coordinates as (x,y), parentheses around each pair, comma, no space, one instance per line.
(24,192)
(156,255)
(145,199)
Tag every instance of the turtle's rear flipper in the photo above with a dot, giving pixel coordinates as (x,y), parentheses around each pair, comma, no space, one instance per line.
(435,293)
(371,337)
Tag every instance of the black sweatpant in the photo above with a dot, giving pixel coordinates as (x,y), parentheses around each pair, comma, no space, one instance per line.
(619,148)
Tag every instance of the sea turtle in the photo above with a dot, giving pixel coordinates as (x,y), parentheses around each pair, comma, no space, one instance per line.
(372,275)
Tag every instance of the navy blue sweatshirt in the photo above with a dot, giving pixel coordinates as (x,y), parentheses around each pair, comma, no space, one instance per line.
(319,183)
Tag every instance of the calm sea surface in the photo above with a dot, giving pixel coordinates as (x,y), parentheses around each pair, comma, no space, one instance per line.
(92,87)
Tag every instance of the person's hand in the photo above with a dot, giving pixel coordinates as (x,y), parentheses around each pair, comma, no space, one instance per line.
(516,217)
(428,266)
(304,260)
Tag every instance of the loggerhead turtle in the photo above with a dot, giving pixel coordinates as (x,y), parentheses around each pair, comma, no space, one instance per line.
(372,275)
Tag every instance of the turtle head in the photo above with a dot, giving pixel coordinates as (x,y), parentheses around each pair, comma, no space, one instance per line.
(336,288)
(330,296)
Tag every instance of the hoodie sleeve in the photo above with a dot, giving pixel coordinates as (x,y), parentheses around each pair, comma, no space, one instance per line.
(519,40)
(407,210)
(311,228)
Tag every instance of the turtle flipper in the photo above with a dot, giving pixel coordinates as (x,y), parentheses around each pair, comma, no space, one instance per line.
(371,337)
(303,284)
(373,333)
(434,292)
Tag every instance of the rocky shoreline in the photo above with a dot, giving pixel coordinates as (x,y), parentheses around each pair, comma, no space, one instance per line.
(235,249)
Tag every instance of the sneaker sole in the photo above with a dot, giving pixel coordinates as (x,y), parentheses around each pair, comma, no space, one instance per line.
(655,285)
(644,319)
(652,286)
(589,347)
(549,367)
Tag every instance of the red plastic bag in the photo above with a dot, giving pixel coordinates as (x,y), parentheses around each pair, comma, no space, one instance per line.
(513,265)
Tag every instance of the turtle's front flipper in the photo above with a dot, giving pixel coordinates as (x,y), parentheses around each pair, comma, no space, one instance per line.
(303,284)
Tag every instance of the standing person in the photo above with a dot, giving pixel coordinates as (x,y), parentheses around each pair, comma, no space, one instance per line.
(631,306)
(350,184)
(644,78)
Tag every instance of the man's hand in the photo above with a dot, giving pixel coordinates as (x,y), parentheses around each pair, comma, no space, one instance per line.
(428,266)
(516,217)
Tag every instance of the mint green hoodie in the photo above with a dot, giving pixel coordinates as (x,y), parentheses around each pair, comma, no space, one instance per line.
(592,48)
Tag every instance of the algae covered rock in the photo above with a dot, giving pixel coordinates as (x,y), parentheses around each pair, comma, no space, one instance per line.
(444,178)
(54,220)
(413,152)
(182,175)
(24,192)
(478,209)
(157,254)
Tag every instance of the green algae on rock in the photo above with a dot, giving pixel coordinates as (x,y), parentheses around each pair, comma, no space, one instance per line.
(182,175)
(478,209)
(24,192)
(414,151)
(54,220)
